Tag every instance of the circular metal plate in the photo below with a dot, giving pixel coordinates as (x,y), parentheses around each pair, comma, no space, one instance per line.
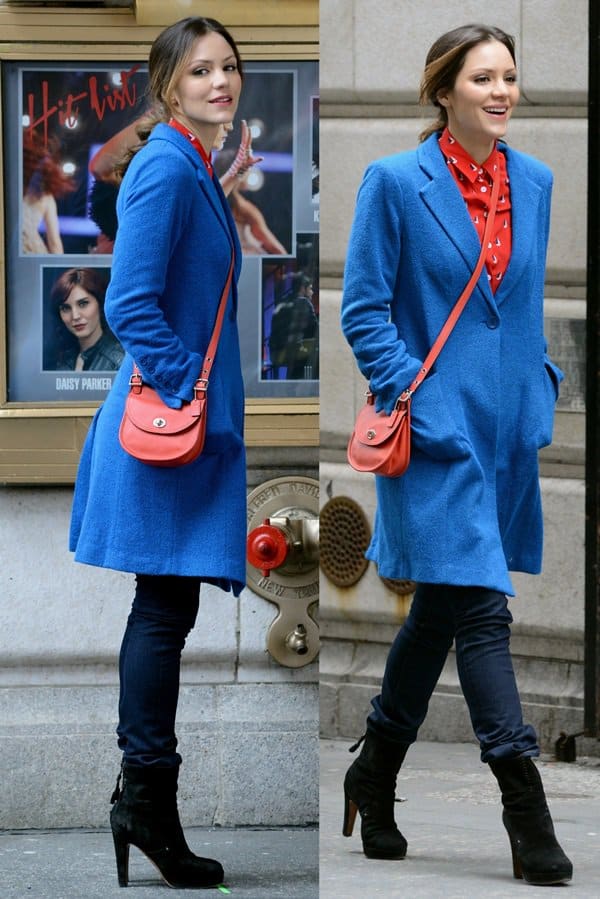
(343,538)
(292,497)
(402,588)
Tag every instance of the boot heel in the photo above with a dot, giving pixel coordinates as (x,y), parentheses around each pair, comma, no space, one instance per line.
(517,870)
(144,815)
(122,856)
(537,856)
(350,810)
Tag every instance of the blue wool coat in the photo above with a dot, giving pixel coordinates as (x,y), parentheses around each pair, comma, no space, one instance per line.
(170,263)
(468,509)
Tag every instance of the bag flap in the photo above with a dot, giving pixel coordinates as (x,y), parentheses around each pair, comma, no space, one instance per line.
(374,428)
(147,412)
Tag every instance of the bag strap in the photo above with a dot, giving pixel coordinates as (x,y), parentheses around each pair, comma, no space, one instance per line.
(209,358)
(460,304)
(201,384)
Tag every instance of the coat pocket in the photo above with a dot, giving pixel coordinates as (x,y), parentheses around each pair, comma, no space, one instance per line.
(549,395)
(225,417)
(434,430)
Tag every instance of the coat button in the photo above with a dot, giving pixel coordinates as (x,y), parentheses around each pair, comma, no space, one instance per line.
(492,323)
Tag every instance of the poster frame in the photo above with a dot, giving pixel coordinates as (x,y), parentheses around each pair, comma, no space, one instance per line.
(40,442)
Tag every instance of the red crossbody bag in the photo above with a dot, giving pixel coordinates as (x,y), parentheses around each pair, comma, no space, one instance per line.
(158,435)
(380,443)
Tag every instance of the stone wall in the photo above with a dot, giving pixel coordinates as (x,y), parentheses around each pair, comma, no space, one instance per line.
(247,727)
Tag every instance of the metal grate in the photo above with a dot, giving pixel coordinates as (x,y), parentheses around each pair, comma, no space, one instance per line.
(343,538)
(402,588)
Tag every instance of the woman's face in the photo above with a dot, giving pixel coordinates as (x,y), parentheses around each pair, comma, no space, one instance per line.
(80,314)
(207,93)
(483,97)
(222,135)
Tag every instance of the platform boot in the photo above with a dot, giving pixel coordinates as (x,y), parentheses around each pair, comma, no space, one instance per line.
(145,815)
(537,856)
(369,788)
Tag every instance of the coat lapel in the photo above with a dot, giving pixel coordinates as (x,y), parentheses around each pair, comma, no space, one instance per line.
(447,206)
(525,198)
(228,217)
(444,201)
(213,192)
(231,231)
(210,190)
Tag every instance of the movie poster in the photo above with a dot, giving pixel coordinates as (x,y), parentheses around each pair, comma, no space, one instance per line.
(65,125)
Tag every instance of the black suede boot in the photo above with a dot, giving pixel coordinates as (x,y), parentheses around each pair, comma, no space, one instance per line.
(144,814)
(369,788)
(537,856)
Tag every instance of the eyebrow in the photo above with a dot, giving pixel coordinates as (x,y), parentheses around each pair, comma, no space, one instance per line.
(195,62)
(86,296)
(484,69)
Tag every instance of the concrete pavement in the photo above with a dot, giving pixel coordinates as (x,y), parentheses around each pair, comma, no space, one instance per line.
(78,864)
(457,846)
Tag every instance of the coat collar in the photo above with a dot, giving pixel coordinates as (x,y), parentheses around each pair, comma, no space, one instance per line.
(525,200)
(211,187)
(446,204)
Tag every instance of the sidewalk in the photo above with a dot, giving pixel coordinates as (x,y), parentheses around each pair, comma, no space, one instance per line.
(457,846)
(76,864)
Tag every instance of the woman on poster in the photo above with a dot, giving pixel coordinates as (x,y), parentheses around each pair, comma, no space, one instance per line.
(468,509)
(255,235)
(175,528)
(44,182)
(85,342)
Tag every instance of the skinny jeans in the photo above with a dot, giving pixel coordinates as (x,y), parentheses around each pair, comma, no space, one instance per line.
(163,613)
(478,621)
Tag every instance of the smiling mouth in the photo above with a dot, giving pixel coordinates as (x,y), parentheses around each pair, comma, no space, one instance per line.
(496,110)
(221,100)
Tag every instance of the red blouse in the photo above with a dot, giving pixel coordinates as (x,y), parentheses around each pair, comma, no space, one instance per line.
(206,159)
(475,183)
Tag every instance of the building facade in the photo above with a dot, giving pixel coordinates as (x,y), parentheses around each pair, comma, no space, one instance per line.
(372,56)
(247,724)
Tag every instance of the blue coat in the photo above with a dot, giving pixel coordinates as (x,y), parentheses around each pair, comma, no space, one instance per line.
(170,263)
(468,510)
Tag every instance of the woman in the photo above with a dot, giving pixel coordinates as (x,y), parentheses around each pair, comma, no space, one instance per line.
(173,527)
(43,183)
(105,163)
(86,344)
(468,509)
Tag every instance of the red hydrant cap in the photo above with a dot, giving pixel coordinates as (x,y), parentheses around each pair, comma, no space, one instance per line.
(266,548)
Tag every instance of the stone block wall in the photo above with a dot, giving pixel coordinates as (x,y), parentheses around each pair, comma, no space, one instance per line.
(247,727)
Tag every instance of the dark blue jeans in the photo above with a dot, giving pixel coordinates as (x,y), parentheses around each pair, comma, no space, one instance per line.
(162,615)
(478,620)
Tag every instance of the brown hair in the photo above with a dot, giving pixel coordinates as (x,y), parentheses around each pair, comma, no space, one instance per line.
(168,57)
(88,278)
(445,60)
